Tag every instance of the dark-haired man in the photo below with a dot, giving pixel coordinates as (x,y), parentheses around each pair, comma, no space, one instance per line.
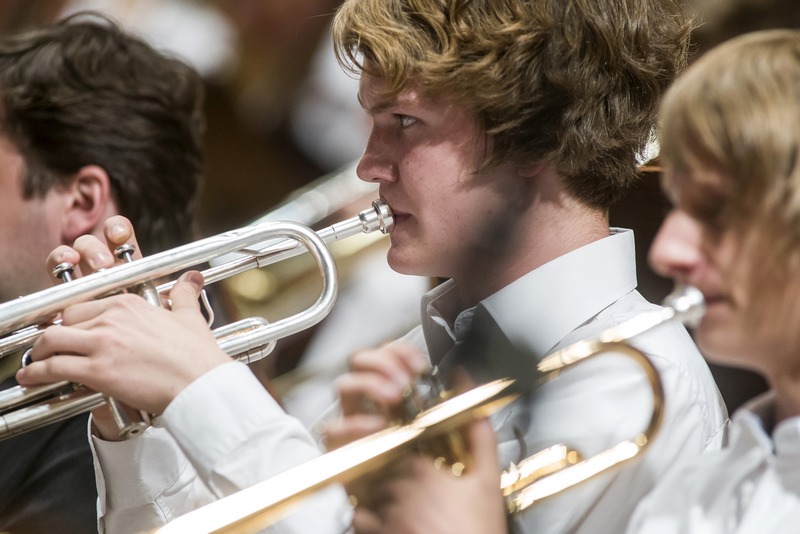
(93,122)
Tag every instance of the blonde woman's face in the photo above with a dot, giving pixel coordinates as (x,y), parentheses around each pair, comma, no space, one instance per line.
(753,316)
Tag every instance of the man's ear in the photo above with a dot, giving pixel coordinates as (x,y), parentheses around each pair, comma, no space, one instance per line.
(88,203)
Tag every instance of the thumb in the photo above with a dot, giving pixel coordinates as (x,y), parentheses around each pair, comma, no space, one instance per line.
(482,447)
(185,292)
(478,434)
(460,380)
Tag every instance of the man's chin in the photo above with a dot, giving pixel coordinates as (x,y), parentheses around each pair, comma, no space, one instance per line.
(405,265)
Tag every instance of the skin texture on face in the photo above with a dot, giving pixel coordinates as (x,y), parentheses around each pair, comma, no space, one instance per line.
(29,229)
(751,312)
(425,155)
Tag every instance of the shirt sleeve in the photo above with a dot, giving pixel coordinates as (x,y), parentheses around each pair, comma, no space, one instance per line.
(220,435)
(144,482)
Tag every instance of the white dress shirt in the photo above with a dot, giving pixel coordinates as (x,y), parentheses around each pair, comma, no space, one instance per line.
(600,402)
(750,487)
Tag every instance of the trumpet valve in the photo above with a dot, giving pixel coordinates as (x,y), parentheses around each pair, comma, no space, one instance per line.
(125,252)
(64,271)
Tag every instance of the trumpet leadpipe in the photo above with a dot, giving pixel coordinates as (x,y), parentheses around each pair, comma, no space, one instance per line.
(20,319)
(23,408)
(378,218)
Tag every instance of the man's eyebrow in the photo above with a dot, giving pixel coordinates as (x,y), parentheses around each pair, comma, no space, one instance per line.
(379,107)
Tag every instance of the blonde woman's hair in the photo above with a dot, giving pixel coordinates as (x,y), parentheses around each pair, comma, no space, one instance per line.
(736,113)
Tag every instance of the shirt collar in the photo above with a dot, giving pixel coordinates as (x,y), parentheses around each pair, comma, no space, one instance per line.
(439,336)
(753,423)
(539,309)
(562,294)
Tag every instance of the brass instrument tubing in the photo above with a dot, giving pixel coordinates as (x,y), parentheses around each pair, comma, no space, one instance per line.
(247,340)
(376,219)
(36,308)
(259,506)
(262,504)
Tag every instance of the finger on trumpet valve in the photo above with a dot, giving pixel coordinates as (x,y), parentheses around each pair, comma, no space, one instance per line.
(146,290)
(127,428)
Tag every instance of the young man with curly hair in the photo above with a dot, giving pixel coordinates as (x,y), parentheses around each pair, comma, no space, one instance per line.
(729,153)
(502,133)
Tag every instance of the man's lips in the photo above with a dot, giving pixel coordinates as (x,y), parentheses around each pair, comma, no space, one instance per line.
(711,298)
(398,214)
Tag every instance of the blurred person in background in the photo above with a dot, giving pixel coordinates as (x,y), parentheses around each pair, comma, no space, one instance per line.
(721,20)
(730,145)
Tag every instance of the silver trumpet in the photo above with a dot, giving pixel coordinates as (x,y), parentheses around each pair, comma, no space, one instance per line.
(541,475)
(23,320)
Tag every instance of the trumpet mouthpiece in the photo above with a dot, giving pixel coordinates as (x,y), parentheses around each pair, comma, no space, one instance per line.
(380,217)
(688,303)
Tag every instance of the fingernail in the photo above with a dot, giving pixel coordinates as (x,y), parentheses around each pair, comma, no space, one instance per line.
(116,230)
(193,277)
(100,260)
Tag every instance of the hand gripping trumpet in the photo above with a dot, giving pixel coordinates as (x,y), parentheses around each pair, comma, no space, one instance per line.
(23,320)
(541,475)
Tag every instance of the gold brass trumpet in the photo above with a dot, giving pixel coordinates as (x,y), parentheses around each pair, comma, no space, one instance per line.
(544,474)
(23,320)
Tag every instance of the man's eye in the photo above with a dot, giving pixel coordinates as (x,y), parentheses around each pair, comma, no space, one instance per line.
(711,210)
(406,121)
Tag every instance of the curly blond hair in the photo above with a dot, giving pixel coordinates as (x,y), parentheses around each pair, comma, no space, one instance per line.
(575,82)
